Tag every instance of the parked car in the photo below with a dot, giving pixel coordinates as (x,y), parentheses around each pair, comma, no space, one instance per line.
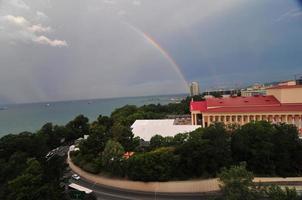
(75,176)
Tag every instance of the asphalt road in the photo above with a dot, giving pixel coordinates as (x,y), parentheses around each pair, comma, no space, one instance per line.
(111,193)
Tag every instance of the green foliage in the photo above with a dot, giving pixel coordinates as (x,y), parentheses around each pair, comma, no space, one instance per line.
(180,139)
(79,126)
(123,135)
(237,184)
(157,165)
(24,142)
(104,121)
(274,192)
(205,152)
(24,171)
(156,141)
(95,143)
(120,115)
(112,157)
(268,149)
(30,185)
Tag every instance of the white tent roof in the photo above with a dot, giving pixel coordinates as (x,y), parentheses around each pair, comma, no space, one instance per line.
(145,129)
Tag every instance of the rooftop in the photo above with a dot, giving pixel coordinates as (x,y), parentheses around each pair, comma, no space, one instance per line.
(284,87)
(145,129)
(244,104)
(242,101)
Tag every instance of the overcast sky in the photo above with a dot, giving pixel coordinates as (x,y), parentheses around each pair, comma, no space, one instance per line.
(62,50)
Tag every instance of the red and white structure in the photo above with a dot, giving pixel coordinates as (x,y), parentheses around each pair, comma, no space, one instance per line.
(283,103)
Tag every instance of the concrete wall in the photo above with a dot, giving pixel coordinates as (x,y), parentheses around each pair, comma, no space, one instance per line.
(275,92)
(287,95)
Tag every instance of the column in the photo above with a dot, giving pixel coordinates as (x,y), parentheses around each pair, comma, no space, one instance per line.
(273,119)
(244,119)
(195,119)
(226,119)
(192,120)
(251,118)
(277,118)
(283,120)
(203,118)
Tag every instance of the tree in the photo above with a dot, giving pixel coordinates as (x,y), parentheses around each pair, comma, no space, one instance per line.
(29,184)
(236,183)
(274,192)
(287,150)
(52,137)
(120,115)
(204,152)
(180,138)
(156,141)
(124,136)
(254,144)
(79,126)
(157,165)
(268,149)
(112,157)
(96,141)
(105,121)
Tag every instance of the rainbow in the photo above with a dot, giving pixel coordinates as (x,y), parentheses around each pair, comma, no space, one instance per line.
(163,52)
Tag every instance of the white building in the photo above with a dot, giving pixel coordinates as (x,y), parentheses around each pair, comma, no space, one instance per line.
(194,88)
(145,129)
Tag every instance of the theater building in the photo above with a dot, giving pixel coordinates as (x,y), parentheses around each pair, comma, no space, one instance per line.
(281,104)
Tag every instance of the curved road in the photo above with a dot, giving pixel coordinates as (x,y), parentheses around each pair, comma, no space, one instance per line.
(110,193)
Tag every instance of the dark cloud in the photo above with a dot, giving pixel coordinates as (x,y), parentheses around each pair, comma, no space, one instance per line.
(87,49)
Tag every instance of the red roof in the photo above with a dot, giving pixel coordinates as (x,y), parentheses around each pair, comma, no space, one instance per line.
(285,87)
(243,104)
(281,108)
(243,101)
(198,105)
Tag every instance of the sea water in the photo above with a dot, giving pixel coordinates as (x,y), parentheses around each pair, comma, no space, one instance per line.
(32,116)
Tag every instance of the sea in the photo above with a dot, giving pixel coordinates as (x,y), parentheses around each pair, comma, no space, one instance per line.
(16,118)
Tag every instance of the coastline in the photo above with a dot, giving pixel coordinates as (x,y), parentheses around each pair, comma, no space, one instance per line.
(32,116)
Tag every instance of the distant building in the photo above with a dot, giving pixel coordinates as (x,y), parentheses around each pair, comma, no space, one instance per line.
(289,82)
(221,93)
(256,89)
(282,104)
(194,88)
(299,81)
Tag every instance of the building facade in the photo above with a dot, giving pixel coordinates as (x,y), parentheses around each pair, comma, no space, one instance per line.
(194,88)
(282,104)
(256,89)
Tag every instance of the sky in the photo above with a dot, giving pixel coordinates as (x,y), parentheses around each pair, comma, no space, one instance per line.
(66,50)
